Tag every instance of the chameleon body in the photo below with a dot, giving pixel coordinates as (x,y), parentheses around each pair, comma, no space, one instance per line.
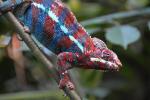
(55,26)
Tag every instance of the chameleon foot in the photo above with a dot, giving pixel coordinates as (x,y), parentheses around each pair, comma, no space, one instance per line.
(66,83)
(70,85)
(26,29)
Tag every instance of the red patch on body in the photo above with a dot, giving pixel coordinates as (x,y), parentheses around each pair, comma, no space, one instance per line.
(35,12)
(65,42)
(80,33)
(49,25)
(70,19)
(57,9)
(38,1)
(89,44)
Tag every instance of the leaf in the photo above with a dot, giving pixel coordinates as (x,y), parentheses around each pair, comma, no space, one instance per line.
(137,3)
(4,40)
(149,25)
(122,35)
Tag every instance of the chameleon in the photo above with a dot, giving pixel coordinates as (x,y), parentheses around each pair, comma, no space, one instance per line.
(55,26)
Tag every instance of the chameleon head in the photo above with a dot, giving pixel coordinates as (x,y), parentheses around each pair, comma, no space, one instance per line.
(104,55)
(106,59)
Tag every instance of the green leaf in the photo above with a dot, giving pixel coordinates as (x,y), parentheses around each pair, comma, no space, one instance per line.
(137,3)
(149,25)
(122,35)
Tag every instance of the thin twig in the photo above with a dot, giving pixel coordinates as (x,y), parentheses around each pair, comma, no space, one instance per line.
(72,94)
(119,15)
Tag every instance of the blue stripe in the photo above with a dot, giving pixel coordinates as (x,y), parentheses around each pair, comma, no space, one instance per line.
(63,16)
(38,32)
(74,49)
(73,28)
(27,19)
(57,36)
(47,3)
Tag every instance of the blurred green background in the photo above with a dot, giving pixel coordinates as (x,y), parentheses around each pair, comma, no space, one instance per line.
(129,36)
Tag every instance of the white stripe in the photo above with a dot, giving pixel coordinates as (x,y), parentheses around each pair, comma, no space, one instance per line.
(50,13)
(98,60)
(39,6)
(76,42)
(55,18)
(64,29)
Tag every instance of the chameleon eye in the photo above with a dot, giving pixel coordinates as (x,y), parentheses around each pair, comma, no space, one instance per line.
(105,53)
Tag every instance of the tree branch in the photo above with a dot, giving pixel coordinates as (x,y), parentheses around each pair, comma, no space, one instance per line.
(72,94)
(119,15)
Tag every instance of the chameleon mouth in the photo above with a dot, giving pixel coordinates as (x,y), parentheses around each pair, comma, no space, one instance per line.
(98,60)
(114,65)
(118,62)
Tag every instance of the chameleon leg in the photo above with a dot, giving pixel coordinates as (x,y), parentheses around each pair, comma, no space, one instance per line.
(101,64)
(95,60)
(65,60)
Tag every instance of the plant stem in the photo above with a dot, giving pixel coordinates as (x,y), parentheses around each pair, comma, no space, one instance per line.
(119,15)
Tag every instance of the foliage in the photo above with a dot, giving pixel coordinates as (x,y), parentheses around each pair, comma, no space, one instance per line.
(122,35)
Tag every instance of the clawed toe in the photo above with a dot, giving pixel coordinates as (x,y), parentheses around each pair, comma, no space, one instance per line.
(70,85)
(65,83)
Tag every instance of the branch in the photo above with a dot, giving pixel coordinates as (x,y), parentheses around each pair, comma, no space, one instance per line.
(72,94)
(33,95)
(119,15)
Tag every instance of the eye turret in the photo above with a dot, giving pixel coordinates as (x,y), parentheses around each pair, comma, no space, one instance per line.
(99,43)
